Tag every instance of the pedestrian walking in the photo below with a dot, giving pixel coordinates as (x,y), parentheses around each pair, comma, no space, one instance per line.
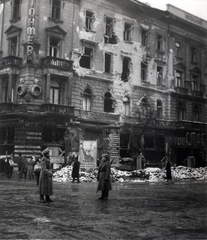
(76,168)
(45,181)
(104,179)
(168,172)
(37,169)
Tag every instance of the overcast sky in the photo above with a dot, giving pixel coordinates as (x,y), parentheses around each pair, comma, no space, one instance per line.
(195,7)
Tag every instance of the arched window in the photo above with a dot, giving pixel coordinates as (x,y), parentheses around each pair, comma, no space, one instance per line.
(108,103)
(144,107)
(181,111)
(87,99)
(54,92)
(159,109)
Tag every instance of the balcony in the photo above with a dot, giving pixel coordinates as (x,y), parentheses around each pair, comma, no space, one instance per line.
(57,63)
(46,108)
(181,90)
(10,61)
(197,93)
(57,109)
(8,107)
(97,116)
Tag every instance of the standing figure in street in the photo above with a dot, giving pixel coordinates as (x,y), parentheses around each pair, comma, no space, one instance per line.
(104,179)
(37,169)
(76,168)
(7,167)
(168,172)
(45,181)
(23,167)
(31,168)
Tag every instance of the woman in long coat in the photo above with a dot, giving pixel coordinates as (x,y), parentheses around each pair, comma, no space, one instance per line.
(104,179)
(45,181)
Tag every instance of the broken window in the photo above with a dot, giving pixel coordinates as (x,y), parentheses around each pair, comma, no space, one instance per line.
(143,71)
(108,103)
(159,42)
(159,109)
(109,36)
(54,47)
(107,63)
(54,92)
(56,9)
(16,10)
(181,111)
(87,99)
(89,20)
(193,54)
(86,58)
(178,49)
(159,75)
(144,37)
(125,69)
(127,32)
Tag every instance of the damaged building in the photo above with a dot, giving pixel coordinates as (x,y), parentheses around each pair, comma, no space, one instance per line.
(127,76)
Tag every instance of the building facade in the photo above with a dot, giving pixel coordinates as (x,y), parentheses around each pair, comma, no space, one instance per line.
(123,74)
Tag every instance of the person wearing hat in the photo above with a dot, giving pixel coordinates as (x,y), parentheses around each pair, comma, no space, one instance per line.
(104,179)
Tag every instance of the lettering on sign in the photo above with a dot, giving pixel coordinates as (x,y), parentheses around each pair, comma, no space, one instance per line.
(31,32)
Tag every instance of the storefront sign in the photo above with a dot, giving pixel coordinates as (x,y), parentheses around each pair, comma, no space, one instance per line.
(30,31)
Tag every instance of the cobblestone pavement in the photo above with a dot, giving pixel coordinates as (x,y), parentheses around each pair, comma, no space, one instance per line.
(133,211)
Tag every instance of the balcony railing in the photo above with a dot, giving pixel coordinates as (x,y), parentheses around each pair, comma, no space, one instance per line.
(181,90)
(47,108)
(10,61)
(57,109)
(8,107)
(197,93)
(97,116)
(57,63)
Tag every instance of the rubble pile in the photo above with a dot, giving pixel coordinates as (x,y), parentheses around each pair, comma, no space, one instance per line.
(146,175)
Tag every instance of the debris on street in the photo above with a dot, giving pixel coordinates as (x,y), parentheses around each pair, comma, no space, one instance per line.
(145,175)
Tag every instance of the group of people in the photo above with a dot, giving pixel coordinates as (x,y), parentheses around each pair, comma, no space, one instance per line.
(26,167)
(6,166)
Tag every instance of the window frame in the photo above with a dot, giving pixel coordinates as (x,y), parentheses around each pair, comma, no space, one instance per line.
(159,109)
(144,37)
(89,21)
(193,54)
(144,67)
(87,99)
(108,64)
(87,56)
(54,18)
(159,77)
(160,42)
(181,111)
(127,34)
(52,95)
(15,16)
(178,49)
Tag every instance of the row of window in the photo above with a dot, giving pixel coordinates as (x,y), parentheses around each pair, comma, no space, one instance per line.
(196,112)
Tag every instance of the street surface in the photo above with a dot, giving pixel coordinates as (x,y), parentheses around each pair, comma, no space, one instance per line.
(133,211)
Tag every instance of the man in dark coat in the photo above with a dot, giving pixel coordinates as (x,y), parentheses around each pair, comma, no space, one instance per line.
(45,181)
(104,179)
(75,171)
